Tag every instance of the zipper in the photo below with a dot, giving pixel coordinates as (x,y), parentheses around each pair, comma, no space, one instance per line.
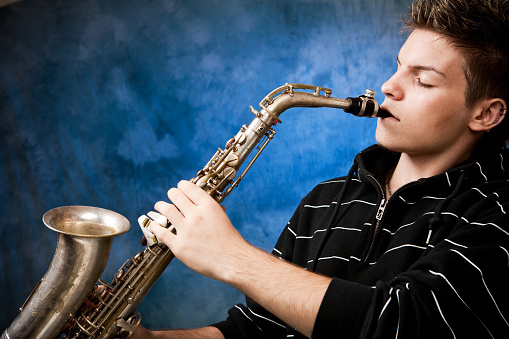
(381,210)
(378,217)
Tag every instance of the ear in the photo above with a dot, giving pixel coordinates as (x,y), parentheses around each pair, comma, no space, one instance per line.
(488,114)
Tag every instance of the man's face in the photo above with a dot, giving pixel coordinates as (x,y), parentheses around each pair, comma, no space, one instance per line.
(426,97)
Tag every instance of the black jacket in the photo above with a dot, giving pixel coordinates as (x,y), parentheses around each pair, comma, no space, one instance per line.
(432,261)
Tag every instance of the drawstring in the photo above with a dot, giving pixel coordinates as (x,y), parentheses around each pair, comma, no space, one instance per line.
(432,224)
(438,211)
(328,230)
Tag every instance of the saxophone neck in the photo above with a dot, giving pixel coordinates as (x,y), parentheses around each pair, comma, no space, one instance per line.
(294,95)
(222,168)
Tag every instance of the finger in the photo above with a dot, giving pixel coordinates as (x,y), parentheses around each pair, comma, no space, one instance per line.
(162,233)
(169,211)
(180,199)
(196,194)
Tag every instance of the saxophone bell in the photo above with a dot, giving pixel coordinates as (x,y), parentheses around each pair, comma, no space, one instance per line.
(85,236)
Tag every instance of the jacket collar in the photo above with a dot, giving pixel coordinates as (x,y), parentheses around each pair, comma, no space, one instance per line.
(377,161)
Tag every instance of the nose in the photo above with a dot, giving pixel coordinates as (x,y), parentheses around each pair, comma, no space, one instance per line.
(392,88)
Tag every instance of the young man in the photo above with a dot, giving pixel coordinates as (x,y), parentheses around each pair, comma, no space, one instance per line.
(414,242)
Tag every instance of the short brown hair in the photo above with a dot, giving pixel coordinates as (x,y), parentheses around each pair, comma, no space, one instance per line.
(480,30)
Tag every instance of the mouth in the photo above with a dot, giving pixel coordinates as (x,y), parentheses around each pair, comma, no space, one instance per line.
(384,113)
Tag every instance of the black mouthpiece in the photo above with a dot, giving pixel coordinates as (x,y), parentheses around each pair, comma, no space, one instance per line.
(382,113)
(370,109)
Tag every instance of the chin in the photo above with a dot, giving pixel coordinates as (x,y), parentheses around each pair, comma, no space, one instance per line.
(389,144)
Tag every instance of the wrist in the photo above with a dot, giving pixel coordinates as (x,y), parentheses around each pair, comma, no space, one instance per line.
(239,260)
(251,266)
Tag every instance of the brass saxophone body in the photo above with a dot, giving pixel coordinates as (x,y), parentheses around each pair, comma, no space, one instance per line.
(69,303)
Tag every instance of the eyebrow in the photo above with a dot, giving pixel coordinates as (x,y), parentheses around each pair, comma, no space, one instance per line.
(424,68)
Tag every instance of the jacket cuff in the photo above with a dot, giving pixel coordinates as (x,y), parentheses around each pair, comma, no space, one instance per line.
(343,310)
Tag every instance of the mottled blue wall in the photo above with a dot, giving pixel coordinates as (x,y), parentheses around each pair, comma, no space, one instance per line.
(109,103)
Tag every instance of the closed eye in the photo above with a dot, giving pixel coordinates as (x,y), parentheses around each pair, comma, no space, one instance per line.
(422,84)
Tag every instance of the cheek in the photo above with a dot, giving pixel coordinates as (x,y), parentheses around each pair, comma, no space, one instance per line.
(442,124)
(435,111)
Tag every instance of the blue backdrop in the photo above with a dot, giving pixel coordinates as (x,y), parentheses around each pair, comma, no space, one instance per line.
(109,103)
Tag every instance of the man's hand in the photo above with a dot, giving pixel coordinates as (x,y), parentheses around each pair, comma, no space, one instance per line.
(206,241)
(141,333)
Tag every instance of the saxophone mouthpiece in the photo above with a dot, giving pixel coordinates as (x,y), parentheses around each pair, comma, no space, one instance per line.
(365,106)
(382,113)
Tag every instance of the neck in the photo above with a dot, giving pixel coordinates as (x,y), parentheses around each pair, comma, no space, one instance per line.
(410,168)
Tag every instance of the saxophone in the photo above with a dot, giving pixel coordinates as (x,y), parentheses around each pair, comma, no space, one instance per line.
(71,301)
